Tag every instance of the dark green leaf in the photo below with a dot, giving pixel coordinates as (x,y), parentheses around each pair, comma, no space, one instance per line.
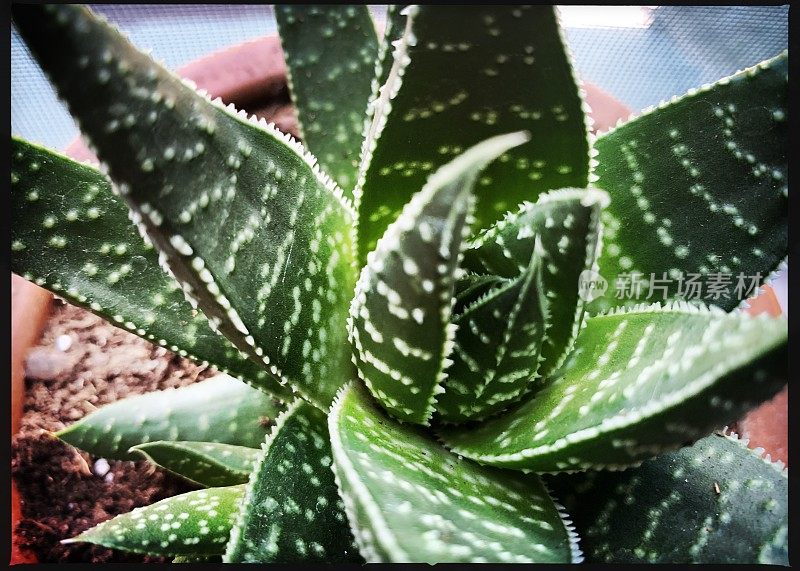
(458,75)
(637,383)
(220,409)
(409,499)
(330,53)
(208,464)
(497,348)
(72,235)
(240,212)
(401,310)
(714,502)
(291,510)
(567,222)
(195,523)
(699,187)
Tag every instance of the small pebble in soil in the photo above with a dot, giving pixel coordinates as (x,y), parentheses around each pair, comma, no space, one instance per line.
(63,342)
(101,467)
(109,477)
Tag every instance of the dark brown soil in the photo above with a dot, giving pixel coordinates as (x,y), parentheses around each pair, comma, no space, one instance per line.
(81,363)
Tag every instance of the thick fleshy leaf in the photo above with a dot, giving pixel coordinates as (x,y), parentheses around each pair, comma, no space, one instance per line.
(410,500)
(567,222)
(209,464)
(400,315)
(714,502)
(460,74)
(330,55)
(194,523)
(71,234)
(471,287)
(240,213)
(220,409)
(497,348)
(291,510)
(636,384)
(699,188)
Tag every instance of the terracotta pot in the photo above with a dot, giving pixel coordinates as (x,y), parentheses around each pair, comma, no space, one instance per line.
(253,76)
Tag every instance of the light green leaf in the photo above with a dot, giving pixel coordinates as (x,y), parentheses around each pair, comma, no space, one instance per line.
(636,384)
(714,502)
(497,348)
(72,235)
(330,54)
(195,523)
(410,500)
(567,222)
(461,74)
(209,464)
(699,186)
(220,409)
(401,310)
(241,214)
(291,510)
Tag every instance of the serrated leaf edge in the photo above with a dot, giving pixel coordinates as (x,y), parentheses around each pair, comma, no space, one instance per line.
(380,529)
(576,553)
(238,525)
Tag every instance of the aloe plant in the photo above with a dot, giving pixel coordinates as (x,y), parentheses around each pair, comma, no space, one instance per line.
(415,320)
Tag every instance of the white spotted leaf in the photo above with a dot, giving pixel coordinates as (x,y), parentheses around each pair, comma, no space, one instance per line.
(209,464)
(714,502)
(497,348)
(221,409)
(410,500)
(330,53)
(256,235)
(637,383)
(194,523)
(699,191)
(291,510)
(400,315)
(567,223)
(72,235)
(462,75)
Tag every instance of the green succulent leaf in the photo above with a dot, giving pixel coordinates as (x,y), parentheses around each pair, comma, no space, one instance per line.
(72,235)
(409,499)
(472,287)
(709,201)
(714,502)
(221,409)
(461,76)
(637,383)
(567,222)
(400,313)
(209,464)
(497,348)
(292,511)
(330,55)
(240,213)
(197,559)
(196,523)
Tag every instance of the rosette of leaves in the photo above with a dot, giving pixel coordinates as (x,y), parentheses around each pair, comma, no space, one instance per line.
(417,309)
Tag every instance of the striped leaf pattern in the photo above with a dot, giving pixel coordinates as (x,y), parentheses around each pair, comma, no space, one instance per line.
(224,200)
(71,235)
(209,464)
(717,501)
(706,201)
(497,348)
(567,222)
(409,499)
(330,56)
(461,76)
(637,383)
(220,409)
(400,316)
(196,523)
(291,510)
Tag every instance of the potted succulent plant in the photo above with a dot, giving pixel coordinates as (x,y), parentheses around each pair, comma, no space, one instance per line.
(437,356)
